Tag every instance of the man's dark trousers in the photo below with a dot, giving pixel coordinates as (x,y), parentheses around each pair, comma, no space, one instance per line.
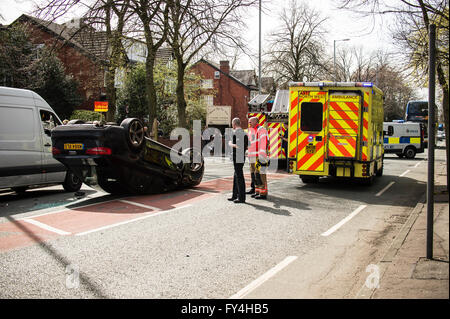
(239,182)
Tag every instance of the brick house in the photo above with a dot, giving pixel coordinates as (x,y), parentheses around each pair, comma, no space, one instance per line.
(84,53)
(229,91)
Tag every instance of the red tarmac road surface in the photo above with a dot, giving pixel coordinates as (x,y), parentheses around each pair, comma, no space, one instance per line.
(32,230)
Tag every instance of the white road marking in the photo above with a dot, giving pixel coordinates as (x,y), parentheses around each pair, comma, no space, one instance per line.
(417,165)
(67,209)
(259,281)
(342,222)
(45,226)
(131,220)
(405,172)
(384,189)
(138,204)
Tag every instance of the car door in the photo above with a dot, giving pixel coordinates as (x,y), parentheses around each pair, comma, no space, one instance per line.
(53,171)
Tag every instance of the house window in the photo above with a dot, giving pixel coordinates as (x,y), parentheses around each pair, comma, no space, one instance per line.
(207,84)
(208,100)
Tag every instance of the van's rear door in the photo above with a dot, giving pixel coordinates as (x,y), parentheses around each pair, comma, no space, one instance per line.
(343,126)
(311,131)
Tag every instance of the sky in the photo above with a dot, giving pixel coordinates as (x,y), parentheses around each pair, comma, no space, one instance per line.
(370,34)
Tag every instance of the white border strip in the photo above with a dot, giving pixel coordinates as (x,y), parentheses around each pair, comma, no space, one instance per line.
(405,172)
(45,226)
(384,189)
(139,204)
(259,281)
(342,222)
(151,214)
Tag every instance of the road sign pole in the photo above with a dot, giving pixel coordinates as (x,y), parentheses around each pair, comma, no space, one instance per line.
(431,139)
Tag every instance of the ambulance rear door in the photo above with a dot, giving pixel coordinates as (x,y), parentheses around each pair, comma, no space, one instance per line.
(343,124)
(311,131)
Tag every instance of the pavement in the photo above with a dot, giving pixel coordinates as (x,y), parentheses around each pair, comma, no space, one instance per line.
(404,272)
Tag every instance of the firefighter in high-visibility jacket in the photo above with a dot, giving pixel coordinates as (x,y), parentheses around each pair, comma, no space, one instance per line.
(258,158)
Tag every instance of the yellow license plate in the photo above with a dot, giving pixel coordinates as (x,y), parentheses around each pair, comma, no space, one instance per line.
(73,146)
(310,149)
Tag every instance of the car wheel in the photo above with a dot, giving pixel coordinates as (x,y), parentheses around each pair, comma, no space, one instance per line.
(135,134)
(72,183)
(410,152)
(193,172)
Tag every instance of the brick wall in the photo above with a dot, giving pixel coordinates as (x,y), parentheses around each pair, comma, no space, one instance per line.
(228,91)
(88,73)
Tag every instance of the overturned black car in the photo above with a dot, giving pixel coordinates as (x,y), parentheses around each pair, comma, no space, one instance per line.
(122,160)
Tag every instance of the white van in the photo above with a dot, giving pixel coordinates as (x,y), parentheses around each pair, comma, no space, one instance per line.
(404,139)
(25,143)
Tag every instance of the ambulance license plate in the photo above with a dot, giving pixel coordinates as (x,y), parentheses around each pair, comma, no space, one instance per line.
(310,149)
(73,146)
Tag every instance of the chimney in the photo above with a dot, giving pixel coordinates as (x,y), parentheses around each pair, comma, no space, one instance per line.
(225,66)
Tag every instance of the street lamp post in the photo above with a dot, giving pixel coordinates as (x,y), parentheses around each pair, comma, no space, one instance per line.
(334,55)
(259,55)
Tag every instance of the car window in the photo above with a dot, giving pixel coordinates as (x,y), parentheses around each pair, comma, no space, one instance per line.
(49,120)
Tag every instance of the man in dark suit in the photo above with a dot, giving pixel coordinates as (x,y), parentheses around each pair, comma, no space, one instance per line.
(238,146)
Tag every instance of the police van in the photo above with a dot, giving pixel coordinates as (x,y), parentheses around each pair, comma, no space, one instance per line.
(404,139)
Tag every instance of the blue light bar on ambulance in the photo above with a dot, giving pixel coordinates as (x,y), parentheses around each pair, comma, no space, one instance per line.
(365,84)
(331,84)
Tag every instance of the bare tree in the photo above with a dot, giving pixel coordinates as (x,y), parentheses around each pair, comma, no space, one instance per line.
(194,24)
(413,20)
(295,48)
(105,17)
(153,16)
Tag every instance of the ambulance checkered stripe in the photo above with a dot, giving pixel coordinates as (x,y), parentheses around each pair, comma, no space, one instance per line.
(275,142)
(293,118)
(365,149)
(343,128)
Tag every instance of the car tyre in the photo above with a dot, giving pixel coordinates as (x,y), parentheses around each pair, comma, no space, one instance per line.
(135,134)
(410,152)
(72,183)
(193,172)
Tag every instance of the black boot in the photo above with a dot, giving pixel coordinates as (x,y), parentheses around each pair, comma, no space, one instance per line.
(252,185)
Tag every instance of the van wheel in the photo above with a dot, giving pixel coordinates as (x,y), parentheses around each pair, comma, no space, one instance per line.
(367,181)
(379,171)
(72,183)
(20,190)
(309,179)
(410,152)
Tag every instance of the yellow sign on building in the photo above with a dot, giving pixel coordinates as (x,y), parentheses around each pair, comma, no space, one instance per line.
(101,106)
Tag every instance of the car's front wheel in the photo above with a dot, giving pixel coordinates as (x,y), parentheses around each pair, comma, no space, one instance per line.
(194,168)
